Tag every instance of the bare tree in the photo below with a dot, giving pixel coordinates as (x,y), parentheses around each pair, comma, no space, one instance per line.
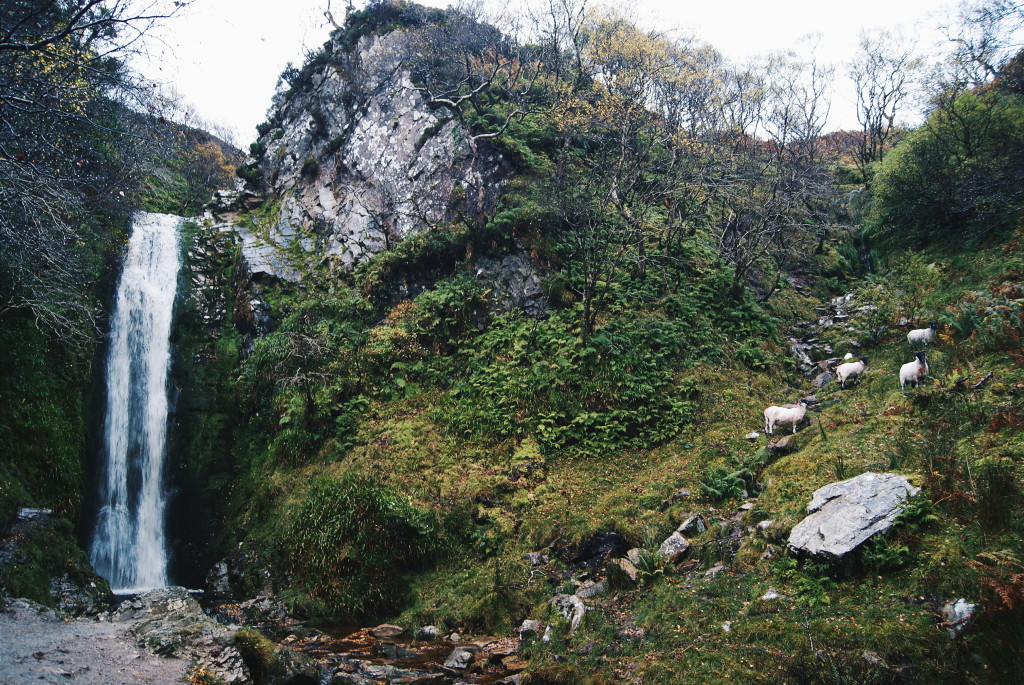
(882,75)
(62,147)
(987,36)
(472,68)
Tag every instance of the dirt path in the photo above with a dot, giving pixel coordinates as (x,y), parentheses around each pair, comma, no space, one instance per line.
(37,647)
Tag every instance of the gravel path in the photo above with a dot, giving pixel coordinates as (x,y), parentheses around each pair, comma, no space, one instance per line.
(37,647)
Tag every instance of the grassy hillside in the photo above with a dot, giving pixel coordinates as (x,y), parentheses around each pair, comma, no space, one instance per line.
(382,455)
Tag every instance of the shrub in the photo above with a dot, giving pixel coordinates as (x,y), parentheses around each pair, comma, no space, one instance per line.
(352,542)
(258,653)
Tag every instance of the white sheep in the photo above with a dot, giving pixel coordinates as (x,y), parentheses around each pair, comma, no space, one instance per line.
(784,416)
(913,372)
(922,336)
(851,370)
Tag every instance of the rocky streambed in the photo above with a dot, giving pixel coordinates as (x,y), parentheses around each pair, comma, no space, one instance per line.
(165,636)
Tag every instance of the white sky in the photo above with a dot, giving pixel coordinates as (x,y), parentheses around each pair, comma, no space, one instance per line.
(223,57)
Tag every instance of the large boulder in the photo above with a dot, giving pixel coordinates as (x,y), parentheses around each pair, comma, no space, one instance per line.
(844,515)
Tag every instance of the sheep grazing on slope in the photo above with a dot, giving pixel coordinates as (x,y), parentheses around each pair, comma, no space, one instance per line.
(922,336)
(851,370)
(913,372)
(784,416)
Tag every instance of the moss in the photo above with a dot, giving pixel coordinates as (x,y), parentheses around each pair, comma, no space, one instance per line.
(258,653)
(47,552)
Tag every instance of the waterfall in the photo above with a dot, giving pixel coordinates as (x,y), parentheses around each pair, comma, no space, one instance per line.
(128,544)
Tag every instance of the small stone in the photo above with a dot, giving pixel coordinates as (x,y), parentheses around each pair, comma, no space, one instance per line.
(874,660)
(634,555)
(958,615)
(674,547)
(536,558)
(590,589)
(752,436)
(625,572)
(572,608)
(428,633)
(386,630)
(747,506)
(546,638)
(530,628)
(714,570)
(771,594)
(823,379)
(459,660)
(727,626)
(455,637)
(693,525)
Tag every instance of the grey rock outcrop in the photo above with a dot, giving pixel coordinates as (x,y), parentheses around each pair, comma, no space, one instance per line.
(844,515)
(360,158)
(169,622)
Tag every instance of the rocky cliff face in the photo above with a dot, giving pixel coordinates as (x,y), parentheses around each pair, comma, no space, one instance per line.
(358,157)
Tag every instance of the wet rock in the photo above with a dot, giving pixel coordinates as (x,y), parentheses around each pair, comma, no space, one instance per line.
(395,651)
(571,608)
(346,678)
(386,630)
(428,633)
(297,668)
(218,584)
(844,515)
(674,547)
(459,660)
(958,616)
(264,609)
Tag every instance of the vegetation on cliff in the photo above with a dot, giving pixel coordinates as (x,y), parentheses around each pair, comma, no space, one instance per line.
(678,250)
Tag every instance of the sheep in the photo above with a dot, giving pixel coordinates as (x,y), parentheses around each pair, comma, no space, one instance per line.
(913,372)
(922,336)
(851,370)
(784,416)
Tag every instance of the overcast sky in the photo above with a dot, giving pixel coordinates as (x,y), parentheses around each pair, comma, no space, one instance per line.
(223,57)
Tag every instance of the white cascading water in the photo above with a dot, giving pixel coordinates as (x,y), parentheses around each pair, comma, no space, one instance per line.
(128,544)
